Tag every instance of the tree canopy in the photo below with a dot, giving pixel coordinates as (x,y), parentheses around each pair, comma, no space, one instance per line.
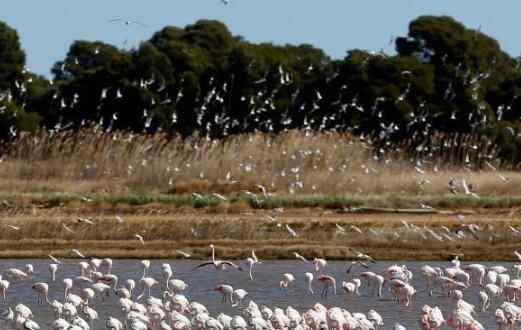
(201,79)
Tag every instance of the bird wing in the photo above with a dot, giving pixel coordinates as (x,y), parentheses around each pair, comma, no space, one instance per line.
(204,264)
(229,263)
(254,256)
(349,268)
(114,20)
(184,254)
(67,228)
(78,253)
(54,259)
(291,231)
(298,256)
(139,23)
(518,255)
(363,264)
(342,229)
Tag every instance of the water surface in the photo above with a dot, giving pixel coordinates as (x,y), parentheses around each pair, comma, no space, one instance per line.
(263,290)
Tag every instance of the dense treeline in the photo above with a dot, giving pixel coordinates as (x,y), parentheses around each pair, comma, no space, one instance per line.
(201,79)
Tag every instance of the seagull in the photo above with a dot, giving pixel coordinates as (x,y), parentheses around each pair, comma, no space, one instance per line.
(85,220)
(263,190)
(13,227)
(340,230)
(467,189)
(270,218)
(503,178)
(298,256)
(355,228)
(291,231)
(78,253)
(53,258)
(119,219)
(127,22)
(219,196)
(184,254)
(362,256)
(140,238)
(67,228)
(356,263)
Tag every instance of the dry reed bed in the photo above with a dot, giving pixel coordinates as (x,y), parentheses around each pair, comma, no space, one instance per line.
(264,249)
(292,163)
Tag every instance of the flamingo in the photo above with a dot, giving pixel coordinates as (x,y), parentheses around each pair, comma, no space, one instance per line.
(87,294)
(42,289)
(252,261)
(166,273)
(239,295)
(287,279)
(20,275)
(146,266)
(176,285)
(113,324)
(131,285)
(328,281)
(146,283)
(319,264)
(90,314)
(4,286)
(352,286)
(52,269)
(108,262)
(309,280)
(218,264)
(226,291)
(68,283)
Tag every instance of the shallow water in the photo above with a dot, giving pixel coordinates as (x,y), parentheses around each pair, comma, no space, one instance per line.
(263,290)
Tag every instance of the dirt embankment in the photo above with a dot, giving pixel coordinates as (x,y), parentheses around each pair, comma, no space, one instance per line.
(110,231)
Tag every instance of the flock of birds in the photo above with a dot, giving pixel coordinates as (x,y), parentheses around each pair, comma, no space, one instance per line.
(328,109)
(74,308)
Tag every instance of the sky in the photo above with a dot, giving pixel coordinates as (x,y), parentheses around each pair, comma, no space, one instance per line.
(47,28)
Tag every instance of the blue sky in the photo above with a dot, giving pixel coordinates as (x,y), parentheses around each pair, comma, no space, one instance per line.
(47,28)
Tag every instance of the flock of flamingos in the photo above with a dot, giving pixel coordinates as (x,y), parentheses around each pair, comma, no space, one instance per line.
(138,308)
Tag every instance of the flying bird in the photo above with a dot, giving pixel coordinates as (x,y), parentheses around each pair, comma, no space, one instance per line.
(13,227)
(67,228)
(127,22)
(298,256)
(78,253)
(86,221)
(291,231)
(184,254)
(140,238)
(353,263)
(53,258)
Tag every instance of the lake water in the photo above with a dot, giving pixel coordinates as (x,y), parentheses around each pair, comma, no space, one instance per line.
(263,290)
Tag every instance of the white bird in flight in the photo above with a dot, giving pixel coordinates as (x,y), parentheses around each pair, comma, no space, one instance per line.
(184,254)
(78,253)
(67,228)
(140,238)
(127,22)
(13,227)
